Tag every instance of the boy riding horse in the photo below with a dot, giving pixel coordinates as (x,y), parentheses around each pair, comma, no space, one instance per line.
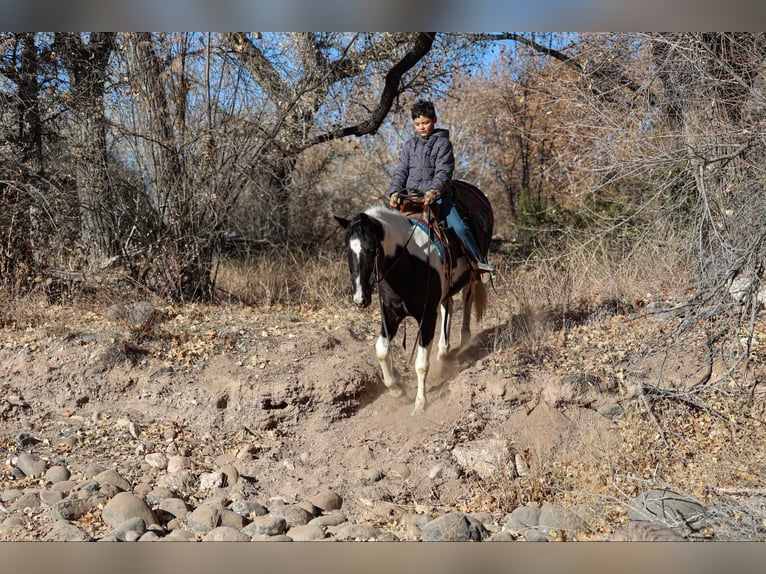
(426,164)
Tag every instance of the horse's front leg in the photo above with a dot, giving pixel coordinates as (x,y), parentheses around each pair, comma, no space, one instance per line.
(425,339)
(390,377)
(444,331)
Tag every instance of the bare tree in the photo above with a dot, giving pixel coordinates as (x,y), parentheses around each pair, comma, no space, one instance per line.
(86,65)
(22,166)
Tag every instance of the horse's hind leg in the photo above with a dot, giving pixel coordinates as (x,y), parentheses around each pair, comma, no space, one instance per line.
(465,328)
(383,353)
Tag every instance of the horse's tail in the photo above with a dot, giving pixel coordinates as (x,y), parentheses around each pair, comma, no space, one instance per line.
(479,293)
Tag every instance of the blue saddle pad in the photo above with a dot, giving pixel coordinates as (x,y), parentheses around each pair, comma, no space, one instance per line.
(418,221)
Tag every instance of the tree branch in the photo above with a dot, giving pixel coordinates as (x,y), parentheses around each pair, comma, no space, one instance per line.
(391,88)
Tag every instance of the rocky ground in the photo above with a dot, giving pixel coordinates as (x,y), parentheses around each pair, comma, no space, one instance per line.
(230,423)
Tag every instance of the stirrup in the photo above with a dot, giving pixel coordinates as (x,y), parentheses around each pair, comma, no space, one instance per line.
(485,267)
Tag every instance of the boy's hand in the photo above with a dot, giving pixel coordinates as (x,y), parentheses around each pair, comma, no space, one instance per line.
(431,196)
(395,200)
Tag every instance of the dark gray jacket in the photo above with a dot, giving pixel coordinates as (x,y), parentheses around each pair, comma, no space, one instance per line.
(424,163)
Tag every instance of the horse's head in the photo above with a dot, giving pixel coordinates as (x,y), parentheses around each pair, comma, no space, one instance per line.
(363,236)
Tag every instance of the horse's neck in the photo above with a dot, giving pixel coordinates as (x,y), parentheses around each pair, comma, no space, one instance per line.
(395,226)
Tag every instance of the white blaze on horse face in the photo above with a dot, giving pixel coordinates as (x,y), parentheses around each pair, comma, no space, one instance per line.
(356,248)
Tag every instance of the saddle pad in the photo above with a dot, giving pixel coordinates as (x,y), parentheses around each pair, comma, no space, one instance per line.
(419,221)
(476,210)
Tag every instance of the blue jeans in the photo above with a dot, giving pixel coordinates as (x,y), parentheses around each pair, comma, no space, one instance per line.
(449,213)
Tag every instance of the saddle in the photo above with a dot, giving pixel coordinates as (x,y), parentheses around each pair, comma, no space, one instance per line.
(446,242)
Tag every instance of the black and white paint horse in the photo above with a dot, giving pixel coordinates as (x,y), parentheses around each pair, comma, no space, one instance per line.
(386,249)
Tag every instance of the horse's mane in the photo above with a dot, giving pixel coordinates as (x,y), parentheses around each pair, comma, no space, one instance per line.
(389,218)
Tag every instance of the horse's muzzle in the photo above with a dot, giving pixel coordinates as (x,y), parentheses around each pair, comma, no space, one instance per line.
(362,300)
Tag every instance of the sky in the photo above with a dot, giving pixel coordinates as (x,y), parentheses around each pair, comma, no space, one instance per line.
(383,15)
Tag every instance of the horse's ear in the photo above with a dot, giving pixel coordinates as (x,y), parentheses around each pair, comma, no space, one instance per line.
(342,221)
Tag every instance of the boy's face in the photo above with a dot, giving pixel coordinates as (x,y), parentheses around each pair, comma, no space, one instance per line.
(424,125)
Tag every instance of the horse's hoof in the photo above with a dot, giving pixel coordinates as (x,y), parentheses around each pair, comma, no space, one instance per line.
(418,410)
(395,391)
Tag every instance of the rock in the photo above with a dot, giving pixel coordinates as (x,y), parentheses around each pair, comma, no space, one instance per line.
(327,501)
(157,460)
(502,536)
(306,532)
(113,478)
(181,481)
(31,465)
(158,494)
(178,463)
(204,518)
(454,527)
(522,518)
(361,532)
(71,509)
(180,535)
(293,514)
(175,507)
(535,535)
(231,519)
(414,523)
(485,457)
(124,506)
(268,525)
(50,497)
(327,520)
(248,508)
(211,480)
(11,495)
(611,411)
(669,508)
(225,534)
(639,531)
(130,530)
(560,522)
(29,499)
(230,475)
(65,531)
(57,474)
(149,536)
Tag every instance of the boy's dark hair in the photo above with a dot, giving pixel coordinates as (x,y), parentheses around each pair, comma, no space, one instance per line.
(423,108)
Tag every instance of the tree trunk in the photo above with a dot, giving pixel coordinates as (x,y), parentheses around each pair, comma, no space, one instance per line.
(17,246)
(184,247)
(86,68)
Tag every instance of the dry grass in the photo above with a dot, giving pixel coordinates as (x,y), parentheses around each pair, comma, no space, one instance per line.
(285,278)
